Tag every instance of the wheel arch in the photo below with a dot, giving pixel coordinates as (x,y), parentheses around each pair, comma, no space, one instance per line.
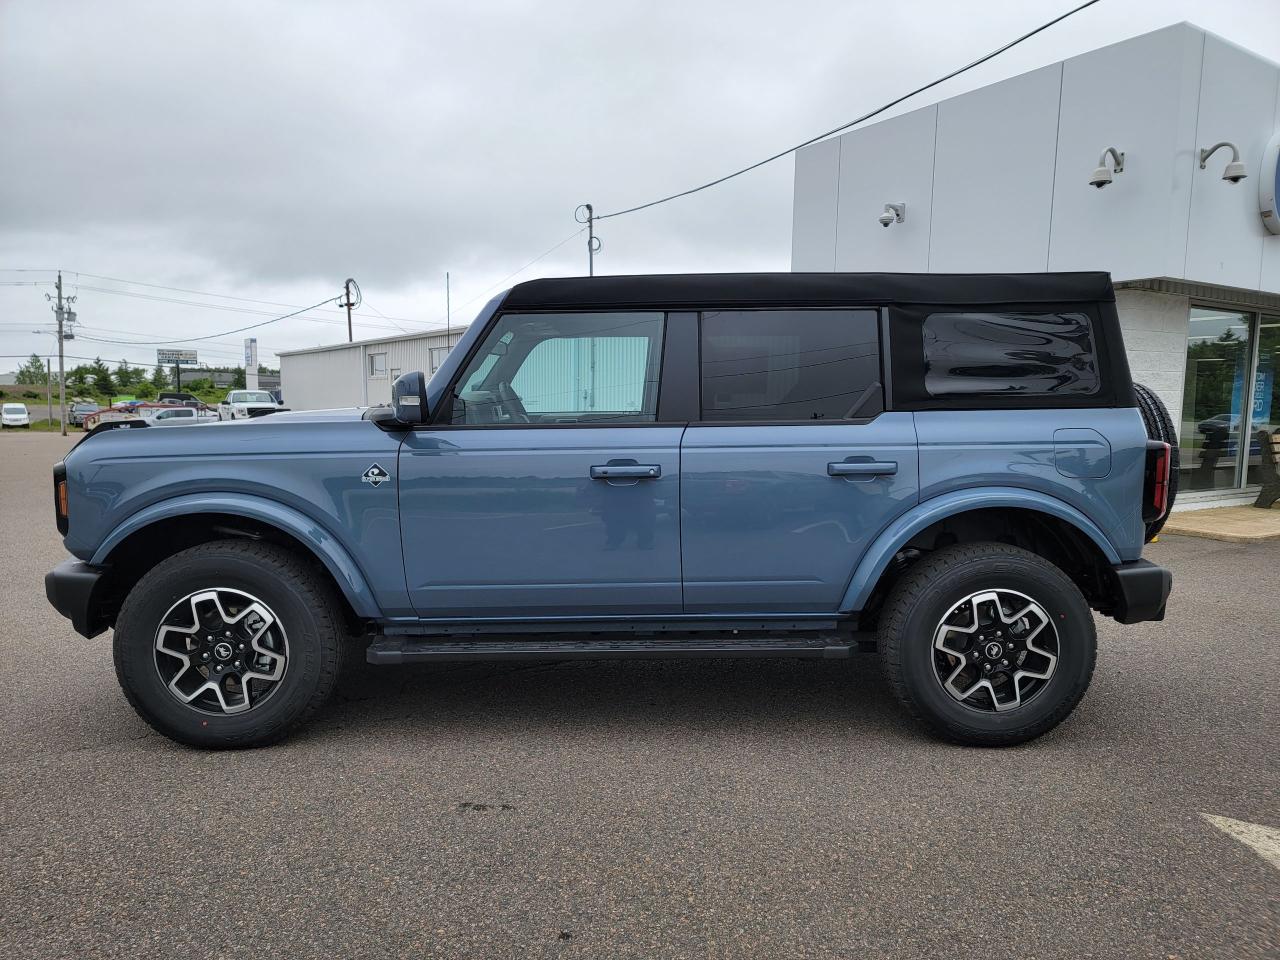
(993,513)
(164,528)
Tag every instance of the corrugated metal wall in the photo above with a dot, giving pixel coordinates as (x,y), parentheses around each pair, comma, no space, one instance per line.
(583,374)
(316,381)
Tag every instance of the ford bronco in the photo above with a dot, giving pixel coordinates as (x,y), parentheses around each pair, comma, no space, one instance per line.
(953,471)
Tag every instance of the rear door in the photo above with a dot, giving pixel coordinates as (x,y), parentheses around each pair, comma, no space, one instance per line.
(794,466)
(554,489)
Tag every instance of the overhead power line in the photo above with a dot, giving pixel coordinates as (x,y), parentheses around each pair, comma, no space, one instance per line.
(852,123)
(221,333)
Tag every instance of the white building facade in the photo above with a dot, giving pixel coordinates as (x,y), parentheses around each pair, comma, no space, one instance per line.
(1003,179)
(359,374)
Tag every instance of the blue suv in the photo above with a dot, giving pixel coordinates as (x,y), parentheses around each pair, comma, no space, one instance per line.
(954,471)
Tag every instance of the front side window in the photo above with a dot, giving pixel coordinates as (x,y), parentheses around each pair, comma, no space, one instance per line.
(1019,354)
(789,365)
(564,368)
(377,364)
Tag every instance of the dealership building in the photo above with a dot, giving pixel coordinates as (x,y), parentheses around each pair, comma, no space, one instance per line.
(1105,161)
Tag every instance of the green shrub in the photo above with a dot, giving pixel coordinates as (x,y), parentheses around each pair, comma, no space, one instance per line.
(30,395)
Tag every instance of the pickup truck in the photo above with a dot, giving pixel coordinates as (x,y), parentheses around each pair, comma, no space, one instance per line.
(954,471)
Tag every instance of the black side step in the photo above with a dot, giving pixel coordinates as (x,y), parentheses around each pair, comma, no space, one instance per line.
(413,650)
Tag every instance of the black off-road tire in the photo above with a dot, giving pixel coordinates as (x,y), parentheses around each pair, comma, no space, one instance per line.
(1159,424)
(290,585)
(920,600)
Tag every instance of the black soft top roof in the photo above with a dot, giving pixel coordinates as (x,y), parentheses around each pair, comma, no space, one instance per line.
(693,290)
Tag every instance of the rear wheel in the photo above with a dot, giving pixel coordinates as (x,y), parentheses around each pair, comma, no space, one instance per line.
(229,644)
(987,644)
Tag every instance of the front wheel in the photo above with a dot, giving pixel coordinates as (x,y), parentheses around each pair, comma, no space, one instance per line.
(229,644)
(987,644)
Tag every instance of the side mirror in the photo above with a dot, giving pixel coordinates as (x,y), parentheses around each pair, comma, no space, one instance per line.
(409,398)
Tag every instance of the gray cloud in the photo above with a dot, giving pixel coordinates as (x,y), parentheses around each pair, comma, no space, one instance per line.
(275,148)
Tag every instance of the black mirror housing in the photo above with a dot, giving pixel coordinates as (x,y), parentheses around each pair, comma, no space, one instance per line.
(409,398)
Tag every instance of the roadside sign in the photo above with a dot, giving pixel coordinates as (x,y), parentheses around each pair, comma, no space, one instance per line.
(172,357)
(251,363)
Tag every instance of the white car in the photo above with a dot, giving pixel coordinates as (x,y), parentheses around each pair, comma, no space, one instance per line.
(177,417)
(242,404)
(15,415)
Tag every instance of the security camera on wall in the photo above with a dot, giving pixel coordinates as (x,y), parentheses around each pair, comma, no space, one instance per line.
(893,213)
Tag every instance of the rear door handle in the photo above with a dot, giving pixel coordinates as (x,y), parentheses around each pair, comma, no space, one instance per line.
(862,468)
(630,471)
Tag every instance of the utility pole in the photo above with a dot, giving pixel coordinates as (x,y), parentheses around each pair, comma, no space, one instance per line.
(586,214)
(48,385)
(348,287)
(64,317)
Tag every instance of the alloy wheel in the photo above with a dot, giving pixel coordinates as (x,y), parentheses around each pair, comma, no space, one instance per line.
(221,651)
(995,650)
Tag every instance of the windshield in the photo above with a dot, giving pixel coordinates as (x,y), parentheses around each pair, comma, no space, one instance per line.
(85,407)
(15,408)
(251,396)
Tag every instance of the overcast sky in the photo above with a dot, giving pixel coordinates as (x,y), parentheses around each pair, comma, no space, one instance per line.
(270,150)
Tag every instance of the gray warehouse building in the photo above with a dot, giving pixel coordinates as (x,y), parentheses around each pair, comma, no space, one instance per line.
(1127,159)
(359,374)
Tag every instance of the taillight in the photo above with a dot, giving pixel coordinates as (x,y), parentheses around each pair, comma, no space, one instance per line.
(60,496)
(1155,486)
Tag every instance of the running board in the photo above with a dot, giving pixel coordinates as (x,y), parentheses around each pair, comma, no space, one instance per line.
(392,650)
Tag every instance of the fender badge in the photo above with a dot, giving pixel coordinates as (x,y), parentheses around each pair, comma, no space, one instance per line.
(375,475)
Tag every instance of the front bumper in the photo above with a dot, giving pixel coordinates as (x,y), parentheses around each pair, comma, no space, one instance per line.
(76,591)
(1141,591)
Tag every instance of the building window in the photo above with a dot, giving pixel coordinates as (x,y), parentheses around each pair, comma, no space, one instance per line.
(1215,392)
(437,357)
(1011,354)
(785,365)
(377,364)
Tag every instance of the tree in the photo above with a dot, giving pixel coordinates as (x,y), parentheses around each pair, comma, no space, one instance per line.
(237,378)
(126,376)
(33,371)
(78,377)
(103,384)
(145,391)
(160,379)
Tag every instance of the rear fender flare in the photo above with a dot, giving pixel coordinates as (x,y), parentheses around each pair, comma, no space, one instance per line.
(327,549)
(878,556)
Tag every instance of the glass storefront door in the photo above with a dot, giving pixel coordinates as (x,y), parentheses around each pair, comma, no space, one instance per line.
(1265,409)
(1215,391)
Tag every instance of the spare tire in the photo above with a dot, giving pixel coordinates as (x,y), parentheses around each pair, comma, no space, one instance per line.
(1155,415)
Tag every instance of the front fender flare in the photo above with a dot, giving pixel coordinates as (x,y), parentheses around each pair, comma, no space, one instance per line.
(876,560)
(322,543)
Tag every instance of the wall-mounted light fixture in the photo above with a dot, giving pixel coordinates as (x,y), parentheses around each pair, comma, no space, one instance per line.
(893,213)
(1102,176)
(1235,169)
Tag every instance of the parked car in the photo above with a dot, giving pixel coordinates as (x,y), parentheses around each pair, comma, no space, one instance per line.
(79,410)
(951,469)
(244,404)
(177,416)
(176,396)
(15,415)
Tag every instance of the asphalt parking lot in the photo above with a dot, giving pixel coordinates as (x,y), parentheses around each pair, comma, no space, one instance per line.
(772,809)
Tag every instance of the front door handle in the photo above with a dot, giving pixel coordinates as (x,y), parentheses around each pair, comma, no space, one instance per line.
(628,471)
(862,468)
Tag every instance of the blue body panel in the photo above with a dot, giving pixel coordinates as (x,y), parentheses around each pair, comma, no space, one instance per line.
(308,466)
(766,528)
(509,522)
(962,449)
(740,519)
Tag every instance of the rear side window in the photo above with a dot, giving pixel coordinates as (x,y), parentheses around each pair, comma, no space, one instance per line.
(1020,354)
(779,365)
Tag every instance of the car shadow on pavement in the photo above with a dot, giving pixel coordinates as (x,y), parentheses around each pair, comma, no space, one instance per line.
(832,695)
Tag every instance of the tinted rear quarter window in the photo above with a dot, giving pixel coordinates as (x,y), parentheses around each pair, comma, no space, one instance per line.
(1021,354)
(786,365)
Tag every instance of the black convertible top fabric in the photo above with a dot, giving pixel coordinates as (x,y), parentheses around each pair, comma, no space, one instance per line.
(698,290)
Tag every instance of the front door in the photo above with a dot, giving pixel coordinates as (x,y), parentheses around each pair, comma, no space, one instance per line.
(553,491)
(794,467)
